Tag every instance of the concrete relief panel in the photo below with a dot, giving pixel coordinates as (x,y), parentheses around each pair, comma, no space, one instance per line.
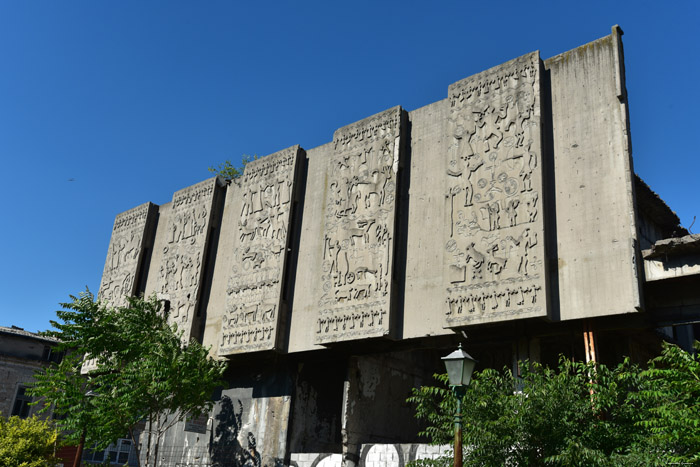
(262,200)
(130,234)
(358,235)
(494,246)
(184,250)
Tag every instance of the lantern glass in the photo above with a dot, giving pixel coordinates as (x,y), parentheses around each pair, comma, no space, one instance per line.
(459,365)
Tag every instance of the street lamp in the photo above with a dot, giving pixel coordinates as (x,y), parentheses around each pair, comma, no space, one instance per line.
(459,365)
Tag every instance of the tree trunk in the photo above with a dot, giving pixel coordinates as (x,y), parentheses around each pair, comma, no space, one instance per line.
(155,458)
(148,447)
(136,447)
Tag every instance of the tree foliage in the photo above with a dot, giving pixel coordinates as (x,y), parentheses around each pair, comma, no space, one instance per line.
(576,414)
(229,171)
(144,372)
(28,442)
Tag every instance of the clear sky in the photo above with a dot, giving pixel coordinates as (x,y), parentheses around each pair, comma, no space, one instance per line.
(105,105)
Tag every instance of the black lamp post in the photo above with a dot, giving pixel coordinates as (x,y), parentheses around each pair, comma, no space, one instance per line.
(459,365)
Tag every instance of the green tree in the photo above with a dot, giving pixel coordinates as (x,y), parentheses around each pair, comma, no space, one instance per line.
(144,372)
(576,414)
(229,171)
(670,404)
(28,442)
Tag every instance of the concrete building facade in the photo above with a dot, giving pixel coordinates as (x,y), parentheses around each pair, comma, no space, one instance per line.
(506,216)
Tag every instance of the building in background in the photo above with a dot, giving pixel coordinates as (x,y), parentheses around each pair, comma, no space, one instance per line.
(506,216)
(22,353)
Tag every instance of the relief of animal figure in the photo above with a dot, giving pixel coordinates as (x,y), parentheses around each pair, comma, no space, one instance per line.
(250,314)
(278,227)
(476,259)
(263,226)
(268,313)
(246,231)
(376,189)
(255,257)
(495,264)
(361,231)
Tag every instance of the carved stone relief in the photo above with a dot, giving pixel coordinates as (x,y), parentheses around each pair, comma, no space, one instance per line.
(184,249)
(263,206)
(129,235)
(358,235)
(494,246)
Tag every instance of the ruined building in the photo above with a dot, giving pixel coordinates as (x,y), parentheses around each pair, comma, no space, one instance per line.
(506,216)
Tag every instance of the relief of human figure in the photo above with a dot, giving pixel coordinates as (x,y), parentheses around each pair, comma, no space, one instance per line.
(473,164)
(512,211)
(529,164)
(488,128)
(531,204)
(494,215)
(527,240)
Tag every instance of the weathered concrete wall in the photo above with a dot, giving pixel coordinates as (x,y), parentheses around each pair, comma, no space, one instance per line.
(510,201)
(359,238)
(262,202)
(181,249)
(317,406)
(375,455)
(374,401)
(132,236)
(307,286)
(594,214)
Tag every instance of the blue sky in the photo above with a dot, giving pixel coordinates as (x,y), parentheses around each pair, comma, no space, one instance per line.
(107,105)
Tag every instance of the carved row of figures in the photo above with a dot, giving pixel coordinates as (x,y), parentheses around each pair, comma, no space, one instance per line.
(507,79)
(182,308)
(511,254)
(246,314)
(200,194)
(269,224)
(180,271)
(366,190)
(133,219)
(267,197)
(495,215)
(115,288)
(247,336)
(478,130)
(481,302)
(504,176)
(267,167)
(386,123)
(123,251)
(257,285)
(188,224)
(360,319)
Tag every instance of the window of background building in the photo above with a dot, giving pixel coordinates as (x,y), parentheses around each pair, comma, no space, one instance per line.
(119,453)
(22,400)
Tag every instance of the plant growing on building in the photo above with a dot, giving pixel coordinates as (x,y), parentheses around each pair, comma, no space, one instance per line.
(576,414)
(28,442)
(229,171)
(144,373)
